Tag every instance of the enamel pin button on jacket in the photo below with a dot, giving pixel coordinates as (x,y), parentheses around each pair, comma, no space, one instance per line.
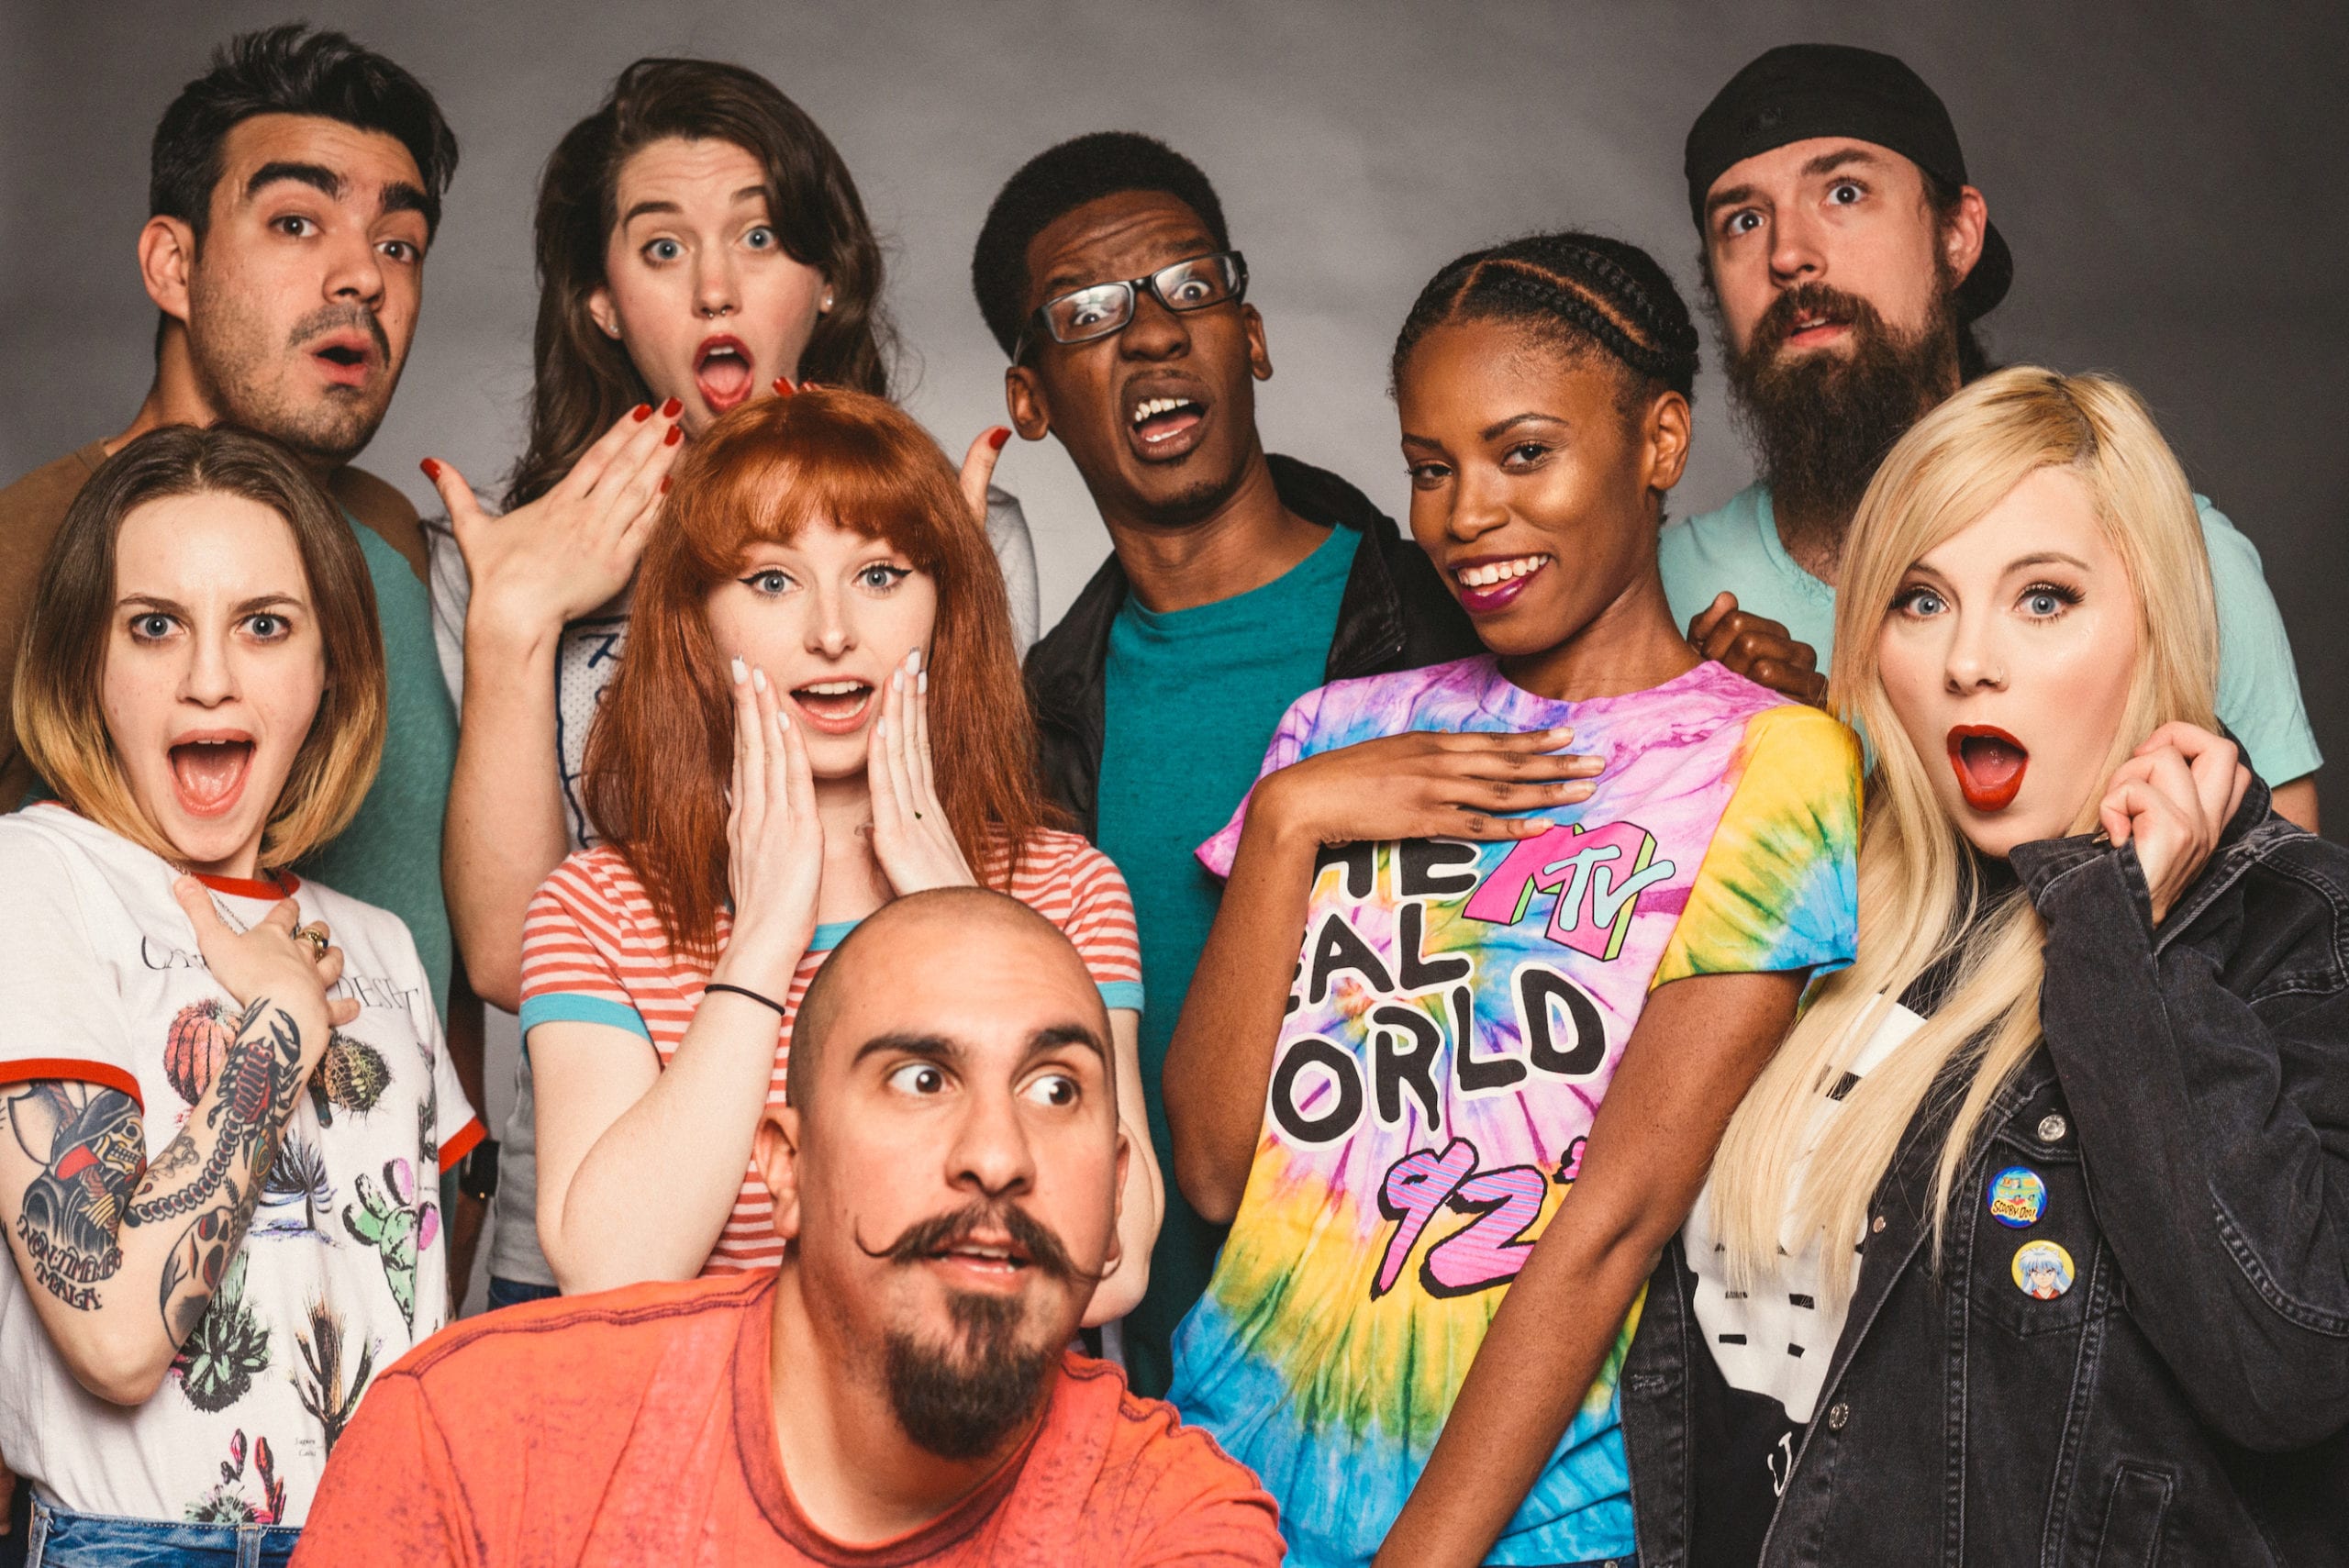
(2017,1196)
(2043,1270)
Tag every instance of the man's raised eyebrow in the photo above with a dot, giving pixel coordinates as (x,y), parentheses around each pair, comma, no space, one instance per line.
(930,1047)
(401,196)
(1051,1036)
(1828,162)
(316,175)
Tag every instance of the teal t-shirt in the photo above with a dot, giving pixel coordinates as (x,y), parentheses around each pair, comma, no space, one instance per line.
(1191,699)
(390,855)
(1737,548)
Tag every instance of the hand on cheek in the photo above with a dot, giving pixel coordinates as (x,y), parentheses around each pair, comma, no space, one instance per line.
(911,838)
(2172,799)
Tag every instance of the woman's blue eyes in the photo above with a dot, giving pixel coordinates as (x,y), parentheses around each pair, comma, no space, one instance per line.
(761,238)
(877,578)
(2041,601)
(156,626)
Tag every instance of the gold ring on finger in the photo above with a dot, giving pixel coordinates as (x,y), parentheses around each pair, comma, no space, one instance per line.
(315,933)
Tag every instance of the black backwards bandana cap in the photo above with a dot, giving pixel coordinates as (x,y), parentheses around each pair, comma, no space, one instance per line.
(1804,90)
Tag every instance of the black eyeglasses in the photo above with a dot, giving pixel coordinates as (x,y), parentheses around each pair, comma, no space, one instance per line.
(1104,309)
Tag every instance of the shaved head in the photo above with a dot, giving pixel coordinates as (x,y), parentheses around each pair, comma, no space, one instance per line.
(926,928)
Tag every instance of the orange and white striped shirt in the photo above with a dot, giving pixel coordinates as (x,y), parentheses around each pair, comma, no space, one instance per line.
(594,952)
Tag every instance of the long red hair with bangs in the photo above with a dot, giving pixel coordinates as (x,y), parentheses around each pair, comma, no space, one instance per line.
(662,745)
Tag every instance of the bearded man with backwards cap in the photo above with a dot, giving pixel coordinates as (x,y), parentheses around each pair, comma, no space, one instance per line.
(1847,259)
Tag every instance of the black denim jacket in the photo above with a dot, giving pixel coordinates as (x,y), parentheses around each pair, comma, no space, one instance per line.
(2186,1400)
(1395,615)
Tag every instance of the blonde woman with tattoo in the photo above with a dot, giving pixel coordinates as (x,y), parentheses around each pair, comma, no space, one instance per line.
(224,1103)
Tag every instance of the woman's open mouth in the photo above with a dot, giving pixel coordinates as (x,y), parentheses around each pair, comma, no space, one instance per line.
(724,372)
(1989,764)
(1492,585)
(836,707)
(208,773)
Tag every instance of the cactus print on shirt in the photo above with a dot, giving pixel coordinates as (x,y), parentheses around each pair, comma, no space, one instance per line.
(1457,1012)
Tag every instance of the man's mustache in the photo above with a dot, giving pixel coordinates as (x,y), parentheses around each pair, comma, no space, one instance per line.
(1777,323)
(336,319)
(940,1232)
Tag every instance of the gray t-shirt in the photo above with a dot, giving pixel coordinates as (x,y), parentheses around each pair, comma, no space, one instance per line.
(585,661)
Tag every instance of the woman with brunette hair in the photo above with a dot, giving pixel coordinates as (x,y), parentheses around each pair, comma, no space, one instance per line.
(699,241)
(2060,1164)
(223,1091)
(820,710)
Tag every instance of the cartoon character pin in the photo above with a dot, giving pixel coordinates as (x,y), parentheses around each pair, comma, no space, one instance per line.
(2017,1196)
(2043,1270)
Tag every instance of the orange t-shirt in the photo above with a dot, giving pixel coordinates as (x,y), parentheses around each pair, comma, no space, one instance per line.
(639,1427)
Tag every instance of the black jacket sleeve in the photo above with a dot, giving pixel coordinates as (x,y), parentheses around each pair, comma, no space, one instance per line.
(2209,1081)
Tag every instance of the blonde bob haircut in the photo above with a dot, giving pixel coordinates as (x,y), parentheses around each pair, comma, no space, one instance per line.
(1916,905)
(61,658)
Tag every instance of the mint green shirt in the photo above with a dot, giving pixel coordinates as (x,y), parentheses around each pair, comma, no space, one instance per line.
(390,855)
(1737,548)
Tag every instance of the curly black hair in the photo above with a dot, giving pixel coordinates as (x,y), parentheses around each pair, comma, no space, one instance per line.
(1058,180)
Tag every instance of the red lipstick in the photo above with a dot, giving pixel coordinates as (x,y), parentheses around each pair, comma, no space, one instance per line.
(1989,763)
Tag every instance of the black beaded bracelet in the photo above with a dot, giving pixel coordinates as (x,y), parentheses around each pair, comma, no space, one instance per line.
(745,991)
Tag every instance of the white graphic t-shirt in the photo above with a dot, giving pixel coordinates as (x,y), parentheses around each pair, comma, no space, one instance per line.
(344,1266)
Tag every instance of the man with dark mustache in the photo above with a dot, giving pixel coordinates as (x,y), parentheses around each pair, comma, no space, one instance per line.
(294,189)
(1239,581)
(899,1391)
(1847,259)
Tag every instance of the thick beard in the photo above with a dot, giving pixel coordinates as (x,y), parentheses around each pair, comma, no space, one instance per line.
(1820,423)
(961,1403)
(232,353)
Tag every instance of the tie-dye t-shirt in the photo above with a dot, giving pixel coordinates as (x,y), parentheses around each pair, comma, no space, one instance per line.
(1458,1011)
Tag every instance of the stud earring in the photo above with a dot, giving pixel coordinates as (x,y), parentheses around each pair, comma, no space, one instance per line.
(825,307)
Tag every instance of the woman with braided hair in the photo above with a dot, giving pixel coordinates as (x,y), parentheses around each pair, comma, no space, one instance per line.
(1496,932)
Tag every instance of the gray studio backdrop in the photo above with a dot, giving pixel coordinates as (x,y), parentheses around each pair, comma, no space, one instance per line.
(2162,171)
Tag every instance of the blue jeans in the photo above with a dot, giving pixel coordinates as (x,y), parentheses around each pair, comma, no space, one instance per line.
(514,1292)
(60,1540)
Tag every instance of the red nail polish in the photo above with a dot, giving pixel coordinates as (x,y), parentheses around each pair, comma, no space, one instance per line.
(644,412)
(664,485)
(783,387)
(996,437)
(432,470)
(677,433)
(671,408)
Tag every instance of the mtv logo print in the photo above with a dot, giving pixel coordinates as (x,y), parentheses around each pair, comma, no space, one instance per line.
(1597,877)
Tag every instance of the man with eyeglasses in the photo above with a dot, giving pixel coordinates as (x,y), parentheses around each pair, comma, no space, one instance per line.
(1240,581)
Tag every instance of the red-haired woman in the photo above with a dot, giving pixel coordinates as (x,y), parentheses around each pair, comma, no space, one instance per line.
(819,710)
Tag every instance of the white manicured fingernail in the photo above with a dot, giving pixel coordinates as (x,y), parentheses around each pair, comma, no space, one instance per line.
(881,728)
(922,682)
(782,720)
(897,681)
(758,679)
(742,671)
(913,660)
